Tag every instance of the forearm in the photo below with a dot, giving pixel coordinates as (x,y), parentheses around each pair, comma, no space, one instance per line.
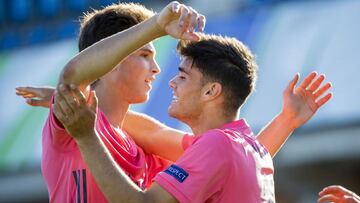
(153,136)
(113,182)
(274,135)
(103,56)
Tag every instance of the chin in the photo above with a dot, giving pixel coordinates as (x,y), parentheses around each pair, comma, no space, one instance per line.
(172,112)
(140,99)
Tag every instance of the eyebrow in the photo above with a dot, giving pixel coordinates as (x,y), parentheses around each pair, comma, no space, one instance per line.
(150,51)
(181,69)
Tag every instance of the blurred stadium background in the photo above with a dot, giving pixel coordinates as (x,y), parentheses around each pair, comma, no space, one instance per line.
(38,37)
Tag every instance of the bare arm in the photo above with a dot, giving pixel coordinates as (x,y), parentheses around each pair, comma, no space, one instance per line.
(180,22)
(154,136)
(299,105)
(86,67)
(79,117)
(100,58)
(150,134)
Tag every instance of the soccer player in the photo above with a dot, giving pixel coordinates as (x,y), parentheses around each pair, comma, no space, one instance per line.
(108,69)
(216,76)
(159,139)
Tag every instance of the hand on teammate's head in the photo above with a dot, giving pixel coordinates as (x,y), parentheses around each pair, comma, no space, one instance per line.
(181,21)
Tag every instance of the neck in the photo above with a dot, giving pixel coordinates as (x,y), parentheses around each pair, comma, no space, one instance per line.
(209,120)
(114,108)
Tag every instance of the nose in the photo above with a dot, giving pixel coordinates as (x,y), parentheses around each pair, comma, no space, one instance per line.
(172,83)
(155,68)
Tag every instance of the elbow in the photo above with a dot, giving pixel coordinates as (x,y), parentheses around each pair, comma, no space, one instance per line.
(68,74)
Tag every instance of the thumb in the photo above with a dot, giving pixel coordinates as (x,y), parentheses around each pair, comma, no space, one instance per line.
(292,83)
(192,36)
(93,101)
(37,102)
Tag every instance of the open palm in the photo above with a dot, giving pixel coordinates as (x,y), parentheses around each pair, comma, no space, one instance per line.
(300,103)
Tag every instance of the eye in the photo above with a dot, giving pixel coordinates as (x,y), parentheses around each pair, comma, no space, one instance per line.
(181,77)
(144,55)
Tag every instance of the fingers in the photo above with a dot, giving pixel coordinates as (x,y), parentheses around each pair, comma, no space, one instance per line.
(317,83)
(180,21)
(308,80)
(29,91)
(334,189)
(59,113)
(313,86)
(337,193)
(190,36)
(292,83)
(188,21)
(37,102)
(193,19)
(78,95)
(175,6)
(93,101)
(184,20)
(324,100)
(328,198)
(24,92)
(65,101)
(351,199)
(201,23)
(32,92)
(26,95)
(322,90)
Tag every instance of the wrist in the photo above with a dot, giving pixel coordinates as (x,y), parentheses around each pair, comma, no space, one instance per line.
(158,27)
(287,120)
(85,138)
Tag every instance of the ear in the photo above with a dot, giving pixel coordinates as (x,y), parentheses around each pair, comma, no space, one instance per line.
(212,91)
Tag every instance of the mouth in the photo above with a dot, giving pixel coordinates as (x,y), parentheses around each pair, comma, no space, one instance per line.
(174,99)
(148,83)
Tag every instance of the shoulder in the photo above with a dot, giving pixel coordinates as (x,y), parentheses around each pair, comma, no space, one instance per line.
(214,137)
(214,142)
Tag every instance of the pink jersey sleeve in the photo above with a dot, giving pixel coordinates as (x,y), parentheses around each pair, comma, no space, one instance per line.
(155,165)
(57,134)
(187,141)
(200,173)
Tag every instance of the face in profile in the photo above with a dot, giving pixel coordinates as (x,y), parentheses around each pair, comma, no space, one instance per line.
(187,89)
(132,78)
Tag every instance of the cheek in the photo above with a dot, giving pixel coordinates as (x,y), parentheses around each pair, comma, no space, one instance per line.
(131,77)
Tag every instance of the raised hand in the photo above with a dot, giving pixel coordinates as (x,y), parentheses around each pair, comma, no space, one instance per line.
(300,103)
(72,110)
(338,194)
(180,21)
(36,96)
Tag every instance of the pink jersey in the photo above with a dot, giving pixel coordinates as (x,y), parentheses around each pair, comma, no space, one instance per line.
(67,177)
(221,165)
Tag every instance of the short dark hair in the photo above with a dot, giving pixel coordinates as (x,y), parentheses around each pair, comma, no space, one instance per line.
(227,61)
(99,24)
